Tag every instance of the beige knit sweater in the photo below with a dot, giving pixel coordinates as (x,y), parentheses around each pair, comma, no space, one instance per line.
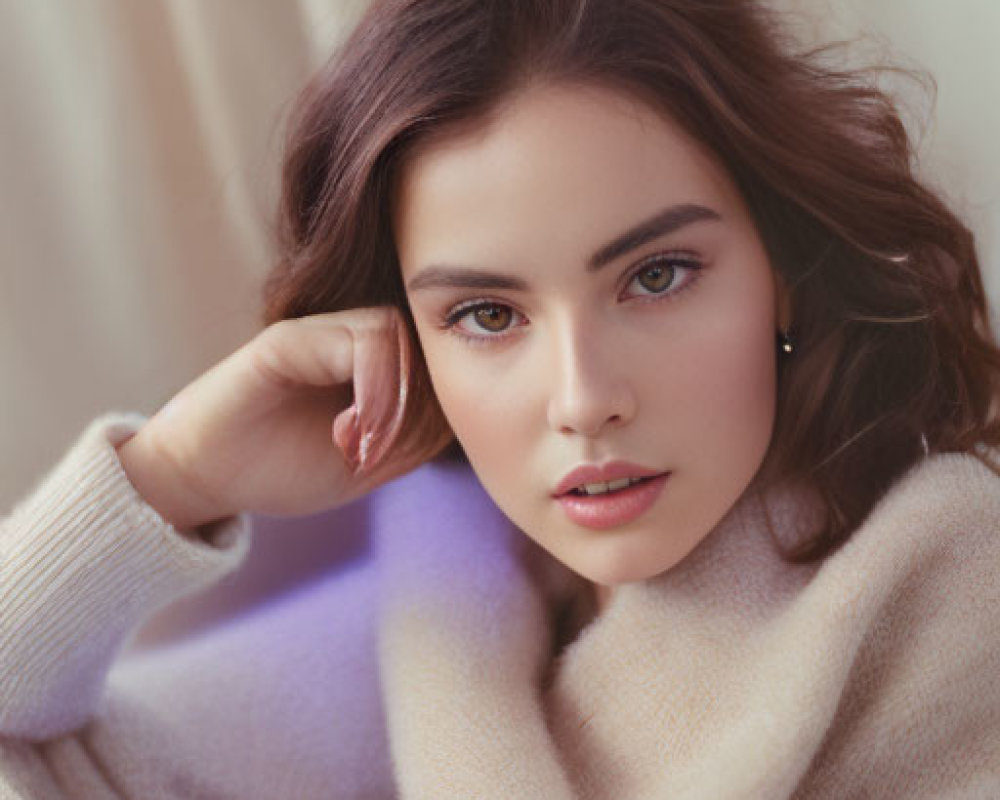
(431,671)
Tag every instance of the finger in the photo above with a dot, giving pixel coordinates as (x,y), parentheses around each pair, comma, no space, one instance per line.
(382,364)
(304,352)
(389,425)
(347,436)
(367,429)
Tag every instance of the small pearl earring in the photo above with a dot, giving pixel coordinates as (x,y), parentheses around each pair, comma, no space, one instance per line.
(785,341)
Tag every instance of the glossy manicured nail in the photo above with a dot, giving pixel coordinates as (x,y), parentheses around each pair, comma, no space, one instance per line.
(346,435)
(380,424)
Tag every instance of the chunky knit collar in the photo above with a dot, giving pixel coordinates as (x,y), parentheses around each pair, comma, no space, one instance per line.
(733,675)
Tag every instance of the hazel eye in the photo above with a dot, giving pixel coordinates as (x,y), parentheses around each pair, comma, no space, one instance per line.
(659,278)
(489,320)
(493,318)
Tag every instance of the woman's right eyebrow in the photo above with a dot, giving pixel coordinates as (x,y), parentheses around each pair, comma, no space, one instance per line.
(673,218)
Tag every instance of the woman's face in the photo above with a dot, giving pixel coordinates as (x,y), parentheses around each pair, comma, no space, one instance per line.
(588,286)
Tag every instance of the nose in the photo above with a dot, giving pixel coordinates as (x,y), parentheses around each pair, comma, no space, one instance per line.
(589,393)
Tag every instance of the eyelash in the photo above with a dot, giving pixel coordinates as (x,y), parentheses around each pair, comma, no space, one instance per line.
(452,317)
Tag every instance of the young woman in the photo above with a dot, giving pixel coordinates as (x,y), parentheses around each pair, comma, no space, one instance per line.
(674,392)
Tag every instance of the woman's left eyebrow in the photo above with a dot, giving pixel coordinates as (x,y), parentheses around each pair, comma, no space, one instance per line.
(445,276)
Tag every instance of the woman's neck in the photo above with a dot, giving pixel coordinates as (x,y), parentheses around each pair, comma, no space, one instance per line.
(602,595)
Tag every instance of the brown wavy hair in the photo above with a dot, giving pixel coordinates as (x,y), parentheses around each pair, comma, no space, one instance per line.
(894,351)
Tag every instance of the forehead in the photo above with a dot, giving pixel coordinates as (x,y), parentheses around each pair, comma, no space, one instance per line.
(553,161)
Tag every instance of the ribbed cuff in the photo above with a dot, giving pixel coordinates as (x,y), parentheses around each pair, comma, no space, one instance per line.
(83,560)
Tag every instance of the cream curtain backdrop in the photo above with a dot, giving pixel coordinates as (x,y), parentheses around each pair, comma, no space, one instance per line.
(139,144)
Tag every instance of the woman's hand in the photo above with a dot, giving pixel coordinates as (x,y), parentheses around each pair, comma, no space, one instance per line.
(272,428)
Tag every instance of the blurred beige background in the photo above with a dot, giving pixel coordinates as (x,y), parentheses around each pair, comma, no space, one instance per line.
(139,144)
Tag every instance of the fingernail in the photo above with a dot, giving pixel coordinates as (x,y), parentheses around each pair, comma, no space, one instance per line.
(392,425)
(364,446)
(346,436)
(364,439)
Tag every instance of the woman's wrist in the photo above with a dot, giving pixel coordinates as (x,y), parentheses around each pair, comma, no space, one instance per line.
(156,481)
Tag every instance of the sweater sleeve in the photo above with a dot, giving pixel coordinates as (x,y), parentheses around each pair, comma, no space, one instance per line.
(83,561)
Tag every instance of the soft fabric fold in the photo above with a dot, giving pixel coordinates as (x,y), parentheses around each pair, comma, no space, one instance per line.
(463,636)
(733,675)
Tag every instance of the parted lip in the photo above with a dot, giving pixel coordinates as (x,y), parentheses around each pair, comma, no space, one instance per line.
(603,473)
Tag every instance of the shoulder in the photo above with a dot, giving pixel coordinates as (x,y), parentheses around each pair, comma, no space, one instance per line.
(945,493)
(944,503)
(930,544)
(912,596)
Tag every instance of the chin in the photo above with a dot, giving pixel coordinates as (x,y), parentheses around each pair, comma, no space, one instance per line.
(613,577)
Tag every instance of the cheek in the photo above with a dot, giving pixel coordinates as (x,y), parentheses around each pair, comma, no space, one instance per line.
(484,405)
(491,421)
(723,382)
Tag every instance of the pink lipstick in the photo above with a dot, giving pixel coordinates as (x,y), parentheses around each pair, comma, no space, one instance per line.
(612,508)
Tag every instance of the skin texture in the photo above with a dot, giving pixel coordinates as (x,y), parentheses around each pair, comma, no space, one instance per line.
(674,370)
